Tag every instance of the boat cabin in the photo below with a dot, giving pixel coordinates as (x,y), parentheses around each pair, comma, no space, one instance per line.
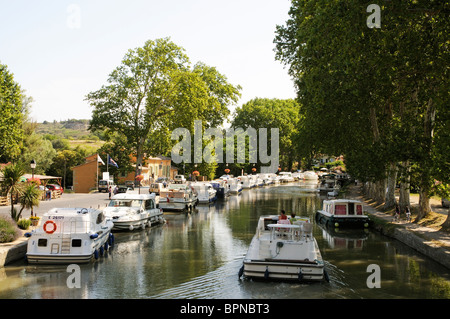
(343,207)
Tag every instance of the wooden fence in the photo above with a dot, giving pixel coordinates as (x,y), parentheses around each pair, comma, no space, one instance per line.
(4,200)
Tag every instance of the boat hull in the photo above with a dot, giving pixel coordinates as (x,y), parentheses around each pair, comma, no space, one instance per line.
(137,222)
(349,222)
(59,259)
(100,245)
(284,270)
(177,206)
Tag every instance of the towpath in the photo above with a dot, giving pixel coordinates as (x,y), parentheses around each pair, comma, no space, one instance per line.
(431,241)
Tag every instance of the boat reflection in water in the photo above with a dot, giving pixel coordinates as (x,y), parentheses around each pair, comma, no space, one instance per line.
(344,238)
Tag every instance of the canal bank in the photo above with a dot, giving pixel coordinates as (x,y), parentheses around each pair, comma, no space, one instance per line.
(15,250)
(429,241)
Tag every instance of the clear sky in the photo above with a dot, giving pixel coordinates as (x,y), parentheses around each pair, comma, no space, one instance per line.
(59,50)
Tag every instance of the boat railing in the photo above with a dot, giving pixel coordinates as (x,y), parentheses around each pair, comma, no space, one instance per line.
(285,232)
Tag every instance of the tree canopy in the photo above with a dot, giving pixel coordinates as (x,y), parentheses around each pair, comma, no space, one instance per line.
(379,96)
(155,89)
(11,131)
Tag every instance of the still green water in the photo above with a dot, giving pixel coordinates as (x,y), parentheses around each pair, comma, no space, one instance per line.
(199,256)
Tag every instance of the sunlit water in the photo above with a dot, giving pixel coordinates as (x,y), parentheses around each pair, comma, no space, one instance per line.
(199,256)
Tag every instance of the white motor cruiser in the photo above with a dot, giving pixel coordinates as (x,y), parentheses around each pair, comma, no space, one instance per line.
(130,211)
(69,235)
(274,178)
(178,197)
(310,175)
(246,181)
(205,192)
(235,186)
(286,177)
(343,213)
(283,251)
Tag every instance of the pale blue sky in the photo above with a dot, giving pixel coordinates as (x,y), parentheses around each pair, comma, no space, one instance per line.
(59,51)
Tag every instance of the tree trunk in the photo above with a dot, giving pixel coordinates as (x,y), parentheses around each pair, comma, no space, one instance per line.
(424,203)
(446,224)
(426,178)
(391,183)
(139,156)
(13,215)
(404,199)
(380,191)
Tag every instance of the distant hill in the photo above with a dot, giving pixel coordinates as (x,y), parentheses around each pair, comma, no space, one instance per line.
(76,132)
(70,129)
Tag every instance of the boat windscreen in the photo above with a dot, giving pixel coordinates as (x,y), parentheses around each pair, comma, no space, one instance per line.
(125,203)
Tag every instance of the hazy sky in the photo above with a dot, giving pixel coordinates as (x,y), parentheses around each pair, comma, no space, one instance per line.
(59,51)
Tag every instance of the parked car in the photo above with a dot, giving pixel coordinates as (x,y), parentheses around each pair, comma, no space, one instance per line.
(156,188)
(122,189)
(129,184)
(55,187)
(103,185)
(180,179)
(445,202)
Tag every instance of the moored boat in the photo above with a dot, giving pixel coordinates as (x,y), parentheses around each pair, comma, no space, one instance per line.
(69,235)
(343,213)
(235,186)
(205,192)
(178,197)
(130,211)
(222,188)
(310,175)
(246,181)
(286,177)
(283,252)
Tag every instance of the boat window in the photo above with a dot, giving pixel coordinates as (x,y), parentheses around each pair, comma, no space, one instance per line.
(100,218)
(340,209)
(125,203)
(351,208)
(119,203)
(149,204)
(42,242)
(76,242)
(358,209)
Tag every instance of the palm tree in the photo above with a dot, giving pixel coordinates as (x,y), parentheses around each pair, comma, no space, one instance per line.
(29,198)
(11,183)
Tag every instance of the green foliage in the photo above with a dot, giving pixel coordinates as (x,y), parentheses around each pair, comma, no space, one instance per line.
(377,96)
(334,164)
(64,161)
(272,113)
(39,149)
(8,230)
(29,197)
(11,184)
(11,116)
(24,223)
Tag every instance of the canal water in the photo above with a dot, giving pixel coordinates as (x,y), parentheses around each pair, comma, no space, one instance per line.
(199,255)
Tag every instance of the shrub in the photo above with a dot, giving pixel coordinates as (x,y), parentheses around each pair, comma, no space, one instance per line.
(8,230)
(24,223)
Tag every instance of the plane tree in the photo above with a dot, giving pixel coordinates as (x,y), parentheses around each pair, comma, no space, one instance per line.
(378,96)
(155,88)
